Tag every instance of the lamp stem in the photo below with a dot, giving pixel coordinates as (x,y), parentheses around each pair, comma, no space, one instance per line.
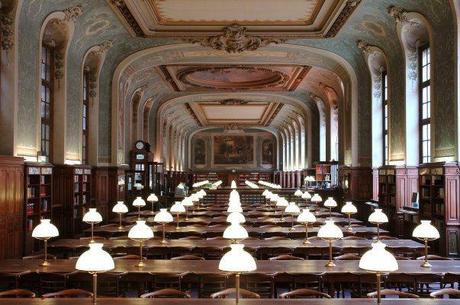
(349,222)
(330,212)
(306,241)
(186,213)
(292,222)
(92,233)
(141,263)
(237,287)
(425,263)
(138,212)
(120,226)
(378,231)
(94,287)
(282,215)
(163,241)
(152,205)
(378,288)
(330,263)
(45,261)
(177,217)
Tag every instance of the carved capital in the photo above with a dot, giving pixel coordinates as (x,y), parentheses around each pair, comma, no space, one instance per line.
(7,29)
(72,13)
(58,64)
(363,46)
(398,13)
(103,47)
(235,40)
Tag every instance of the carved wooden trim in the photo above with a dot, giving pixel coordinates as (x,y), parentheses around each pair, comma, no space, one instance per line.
(342,18)
(125,13)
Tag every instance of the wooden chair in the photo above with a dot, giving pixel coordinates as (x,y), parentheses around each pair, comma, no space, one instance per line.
(286,257)
(17,293)
(51,282)
(107,285)
(69,293)
(347,257)
(166,293)
(260,283)
(390,292)
(446,292)
(95,238)
(244,294)
(167,280)
(188,257)
(433,257)
(133,281)
(39,256)
(210,283)
(304,293)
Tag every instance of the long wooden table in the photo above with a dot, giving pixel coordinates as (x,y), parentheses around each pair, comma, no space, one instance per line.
(139,301)
(211,267)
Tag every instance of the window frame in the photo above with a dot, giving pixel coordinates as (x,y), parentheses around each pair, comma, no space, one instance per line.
(85,116)
(385,118)
(46,101)
(424,122)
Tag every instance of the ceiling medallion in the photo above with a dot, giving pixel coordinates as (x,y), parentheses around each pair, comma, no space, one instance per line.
(233,101)
(235,40)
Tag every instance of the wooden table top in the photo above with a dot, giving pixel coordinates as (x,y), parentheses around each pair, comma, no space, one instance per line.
(139,301)
(211,267)
(251,243)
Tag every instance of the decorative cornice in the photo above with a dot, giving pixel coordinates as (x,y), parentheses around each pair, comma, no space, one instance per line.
(364,46)
(398,13)
(234,39)
(72,13)
(233,101)
(192,113)
(127,16)
(346,12)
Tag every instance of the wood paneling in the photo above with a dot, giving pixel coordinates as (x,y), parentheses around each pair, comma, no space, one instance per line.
(11,206)
(360,184)
(406,184)
(452,209)
(105,182)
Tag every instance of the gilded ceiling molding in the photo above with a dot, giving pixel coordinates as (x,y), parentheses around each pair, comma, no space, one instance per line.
(233,101)
(235,40)
(127,17)
(349,8)
(7,28)
(192,113)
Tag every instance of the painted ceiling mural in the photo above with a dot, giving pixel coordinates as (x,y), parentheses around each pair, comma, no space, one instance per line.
(98,23)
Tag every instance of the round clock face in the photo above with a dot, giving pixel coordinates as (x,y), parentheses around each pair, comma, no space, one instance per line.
(139,145)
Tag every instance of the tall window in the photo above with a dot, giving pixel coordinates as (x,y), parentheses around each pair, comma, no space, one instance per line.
(46,100)
(386,151)
(425,103)
(85,118)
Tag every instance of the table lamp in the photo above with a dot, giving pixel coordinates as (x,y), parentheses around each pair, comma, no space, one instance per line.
(298,193)
(120,208)
(95,260)
(306,196)
(282,203)
(377,218)
(234,209)
(426,232)
(177,208)
(152,198)
(349,209)
(330,203)
(195,199)
(138,186)
(235,232)
(233,185)
(330,232)
(236,217)
(140,232)
(92,217)
(306,217)
(292,209)
(316,198)
(234,195)
(44,231)
(237,260)
(274,198)
(187,202)
(378,260)
(163,217)
(139,202)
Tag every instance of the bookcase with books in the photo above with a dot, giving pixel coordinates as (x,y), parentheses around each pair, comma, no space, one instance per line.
(387,192)
(38,203)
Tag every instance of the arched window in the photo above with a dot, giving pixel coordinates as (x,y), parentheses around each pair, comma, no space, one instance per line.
(85,117)
(425,103)
(385,105)
(46,99)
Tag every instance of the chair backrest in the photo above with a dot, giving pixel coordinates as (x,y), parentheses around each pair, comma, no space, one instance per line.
(244,294)
(434,257)
(188,257)
(101,238)
(193,237)
(347,256)
(275,238)
(17,293)
(304,293)
(69,293)
(286,257)
(450,292)
(39,256)
(166,293)
(391,292)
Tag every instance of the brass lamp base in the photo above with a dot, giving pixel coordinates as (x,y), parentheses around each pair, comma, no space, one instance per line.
(164,241)
(45,263)
(120,228)
(306,242)
(349,228)
(140,264)
(425,264)
(330,264)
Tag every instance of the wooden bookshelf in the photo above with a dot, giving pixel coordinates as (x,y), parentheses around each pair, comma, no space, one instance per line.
(38,200)
(387,193)
(328,172)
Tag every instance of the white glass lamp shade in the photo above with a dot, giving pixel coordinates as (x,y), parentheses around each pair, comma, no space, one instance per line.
(282,202)
(140,231)
(235,231)
(138,186)
(120,208)
(330,231)
(234,195)
(330,203)
(316,198)
(233,185)
(306,195)
(378,217)
(274,198)
(152,198)
(265,193)
(426,230)
(163,216)
(292,208)
(187,202)
(306,217)
(177,208)
(237,260)
(234,202)
(234,209)
(139,202)
(349,208)
(195,197)
(378,259)
(45,230)
(298,193)
(92,216)
(236,217)
(95,259)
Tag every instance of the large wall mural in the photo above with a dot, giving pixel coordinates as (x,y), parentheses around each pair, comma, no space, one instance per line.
(229,149)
